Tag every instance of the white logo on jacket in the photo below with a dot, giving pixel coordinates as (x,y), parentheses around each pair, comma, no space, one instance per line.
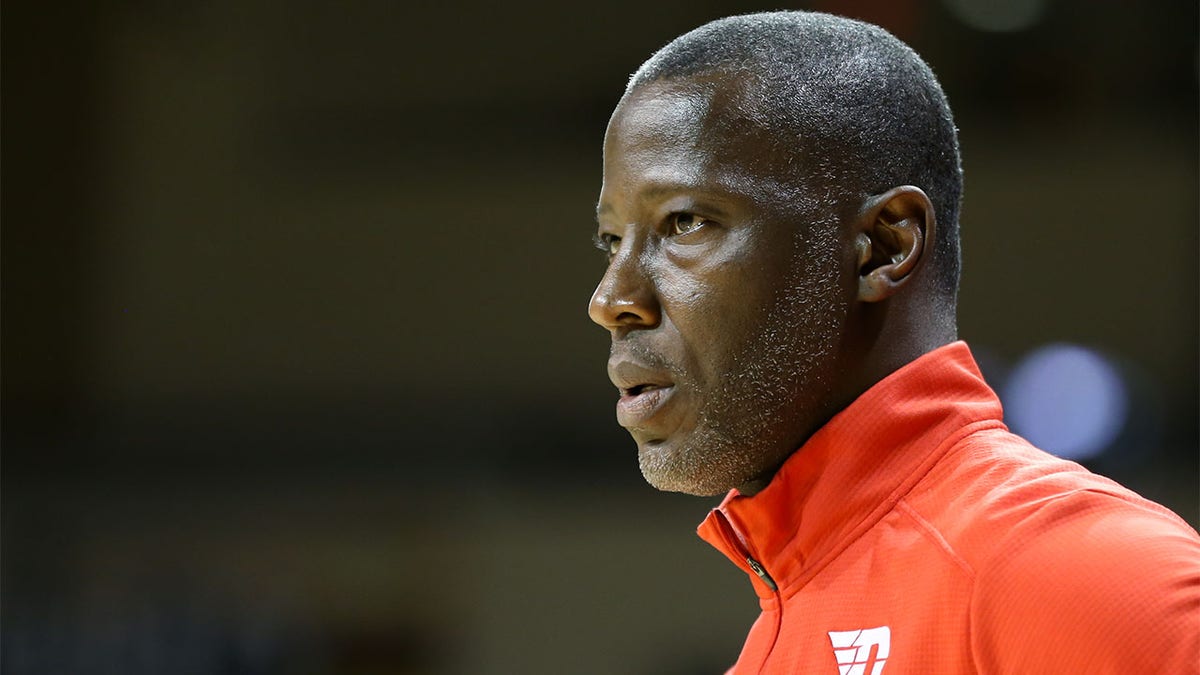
(861,652)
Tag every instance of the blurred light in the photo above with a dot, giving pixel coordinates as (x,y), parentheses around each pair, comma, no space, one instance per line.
(1067,400)
(997,16)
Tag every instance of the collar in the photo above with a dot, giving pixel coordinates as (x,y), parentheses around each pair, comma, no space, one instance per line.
(852,471)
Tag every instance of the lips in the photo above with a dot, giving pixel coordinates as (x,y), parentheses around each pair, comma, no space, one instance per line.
(645,391)
(639,389)
(635,411)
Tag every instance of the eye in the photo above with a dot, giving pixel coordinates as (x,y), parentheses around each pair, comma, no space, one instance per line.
(607,243)
(684,223)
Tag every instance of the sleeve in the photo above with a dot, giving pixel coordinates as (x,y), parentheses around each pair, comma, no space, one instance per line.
(1100,590)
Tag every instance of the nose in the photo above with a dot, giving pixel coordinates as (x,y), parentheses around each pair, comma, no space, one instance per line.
(625,299)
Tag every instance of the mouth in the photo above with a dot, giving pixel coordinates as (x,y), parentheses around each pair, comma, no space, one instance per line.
(639,389)
(646,387)
(640,403)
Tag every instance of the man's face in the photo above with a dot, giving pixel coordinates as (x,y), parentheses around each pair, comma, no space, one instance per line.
(725,298)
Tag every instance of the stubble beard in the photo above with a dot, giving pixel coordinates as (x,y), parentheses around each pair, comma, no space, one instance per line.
(775,382)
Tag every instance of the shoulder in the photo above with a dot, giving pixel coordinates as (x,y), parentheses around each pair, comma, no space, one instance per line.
(994,487)
(1090,580)
(1071,571)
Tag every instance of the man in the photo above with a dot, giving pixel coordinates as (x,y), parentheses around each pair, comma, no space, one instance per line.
(780,215)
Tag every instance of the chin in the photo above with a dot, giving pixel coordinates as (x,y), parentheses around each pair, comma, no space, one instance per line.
(668,482)
(670,468)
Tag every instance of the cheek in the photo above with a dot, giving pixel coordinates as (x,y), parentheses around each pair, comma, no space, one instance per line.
(716,309)
(737,272)
(719,297)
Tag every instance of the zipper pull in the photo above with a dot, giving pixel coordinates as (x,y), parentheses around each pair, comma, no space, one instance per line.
(762,574)
(736,542)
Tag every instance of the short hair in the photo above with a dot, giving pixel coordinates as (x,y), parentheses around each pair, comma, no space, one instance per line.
(859,107)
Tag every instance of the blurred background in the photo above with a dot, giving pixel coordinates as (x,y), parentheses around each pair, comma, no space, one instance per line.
(297,376)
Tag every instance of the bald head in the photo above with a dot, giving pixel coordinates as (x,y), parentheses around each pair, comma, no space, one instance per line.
(851,111)
(774,249)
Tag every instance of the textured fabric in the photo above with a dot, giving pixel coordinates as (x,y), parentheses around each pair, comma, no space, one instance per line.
(914,534)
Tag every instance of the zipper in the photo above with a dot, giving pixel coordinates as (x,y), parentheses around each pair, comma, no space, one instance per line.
(737,543)
(762,574)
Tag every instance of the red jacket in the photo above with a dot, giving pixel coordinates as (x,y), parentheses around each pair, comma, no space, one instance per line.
(913,531)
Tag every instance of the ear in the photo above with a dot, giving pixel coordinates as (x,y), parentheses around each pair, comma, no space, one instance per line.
(895,232)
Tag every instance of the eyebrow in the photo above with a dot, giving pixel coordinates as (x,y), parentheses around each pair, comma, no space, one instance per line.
(658,190)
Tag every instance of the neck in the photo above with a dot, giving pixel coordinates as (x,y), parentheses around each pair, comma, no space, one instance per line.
(880,339)
(884,337)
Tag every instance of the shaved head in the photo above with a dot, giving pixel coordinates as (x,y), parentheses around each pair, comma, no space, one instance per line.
(779,215)
(852,110)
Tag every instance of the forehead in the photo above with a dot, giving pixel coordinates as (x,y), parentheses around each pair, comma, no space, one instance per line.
(661,111)
(695,132)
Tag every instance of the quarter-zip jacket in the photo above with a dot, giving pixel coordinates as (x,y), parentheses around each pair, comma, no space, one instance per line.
(914,532)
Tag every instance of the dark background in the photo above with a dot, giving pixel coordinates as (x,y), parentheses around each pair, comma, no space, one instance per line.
(297,376)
